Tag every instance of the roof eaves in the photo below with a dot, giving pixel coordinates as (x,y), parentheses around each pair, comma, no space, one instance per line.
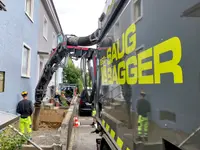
(54,8)
(49,6)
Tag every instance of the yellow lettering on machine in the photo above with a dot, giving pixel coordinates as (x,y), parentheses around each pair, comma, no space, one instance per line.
(145,79)
(131,70)
(170,66)
(121,72)
(130,41)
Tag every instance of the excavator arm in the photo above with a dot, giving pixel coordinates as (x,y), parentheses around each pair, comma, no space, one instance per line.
(68,48)
(53,63)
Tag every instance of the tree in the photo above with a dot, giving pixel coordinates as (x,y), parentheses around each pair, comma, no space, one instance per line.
(89,81)
(72,75)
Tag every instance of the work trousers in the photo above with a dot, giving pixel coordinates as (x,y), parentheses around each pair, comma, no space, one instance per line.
(143,126)
(25,124)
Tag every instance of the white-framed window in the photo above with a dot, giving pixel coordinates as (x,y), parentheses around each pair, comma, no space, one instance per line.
(26,60)
(138,10)
(29,8)
(54,40)
(45,28)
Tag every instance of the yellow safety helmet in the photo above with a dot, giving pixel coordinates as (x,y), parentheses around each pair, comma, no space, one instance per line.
(24,93)
(142,93)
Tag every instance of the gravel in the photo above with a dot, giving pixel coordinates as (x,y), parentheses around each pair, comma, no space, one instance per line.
(46,135)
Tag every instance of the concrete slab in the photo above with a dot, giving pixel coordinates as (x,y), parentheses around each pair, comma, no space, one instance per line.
(82,136)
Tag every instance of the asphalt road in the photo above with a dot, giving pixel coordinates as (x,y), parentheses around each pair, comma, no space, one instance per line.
(82,139)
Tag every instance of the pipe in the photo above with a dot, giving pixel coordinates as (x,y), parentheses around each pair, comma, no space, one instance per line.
(84,41)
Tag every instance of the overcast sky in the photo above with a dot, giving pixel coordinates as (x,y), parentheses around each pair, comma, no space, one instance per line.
(79,17)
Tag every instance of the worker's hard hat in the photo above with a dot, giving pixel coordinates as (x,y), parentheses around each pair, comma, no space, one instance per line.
(24,93)
(142,93)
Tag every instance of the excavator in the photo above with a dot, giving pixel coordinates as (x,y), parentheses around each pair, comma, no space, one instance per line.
(141,45)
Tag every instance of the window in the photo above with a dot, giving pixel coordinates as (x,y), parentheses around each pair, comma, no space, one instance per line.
(2,81)
(137,8)
(29,8)
(26,61)
(45,28)
(54,40)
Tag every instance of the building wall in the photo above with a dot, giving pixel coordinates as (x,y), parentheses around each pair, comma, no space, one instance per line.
(46,45)
(16,28)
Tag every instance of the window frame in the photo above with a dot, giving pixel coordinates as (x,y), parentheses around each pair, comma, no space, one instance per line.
(41,60)
(135,20)
(32,11)
(3,81)
(45,36)
(28,75)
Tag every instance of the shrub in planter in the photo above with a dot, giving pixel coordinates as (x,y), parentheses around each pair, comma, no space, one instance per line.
(10,140)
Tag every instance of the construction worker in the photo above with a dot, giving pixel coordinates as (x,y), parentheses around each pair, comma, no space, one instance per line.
(64,100)
(57,97)
(143,108)
(25,109)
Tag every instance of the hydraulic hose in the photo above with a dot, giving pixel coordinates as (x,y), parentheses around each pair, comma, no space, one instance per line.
(84,41)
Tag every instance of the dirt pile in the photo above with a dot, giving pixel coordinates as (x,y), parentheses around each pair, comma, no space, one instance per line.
(49,125)
(52,115)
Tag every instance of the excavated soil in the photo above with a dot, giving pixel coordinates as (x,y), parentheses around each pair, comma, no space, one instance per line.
(49,127)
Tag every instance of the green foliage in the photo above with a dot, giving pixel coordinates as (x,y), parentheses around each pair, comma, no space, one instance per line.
(63,100)
(89,82)
(10,140)
(80,86)
(72,75)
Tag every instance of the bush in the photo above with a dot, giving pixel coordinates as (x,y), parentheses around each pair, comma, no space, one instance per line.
(10,140)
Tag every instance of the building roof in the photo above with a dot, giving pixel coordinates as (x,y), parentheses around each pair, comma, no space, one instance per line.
(51,10)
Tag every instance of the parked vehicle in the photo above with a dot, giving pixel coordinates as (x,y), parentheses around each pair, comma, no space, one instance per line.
(84,105)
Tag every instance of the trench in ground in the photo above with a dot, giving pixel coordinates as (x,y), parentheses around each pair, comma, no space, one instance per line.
(49,127)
